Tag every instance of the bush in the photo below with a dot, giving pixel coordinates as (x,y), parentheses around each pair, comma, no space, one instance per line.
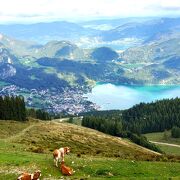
(142,141)
(175,132)
(102,172)
(37,150)
(70,120)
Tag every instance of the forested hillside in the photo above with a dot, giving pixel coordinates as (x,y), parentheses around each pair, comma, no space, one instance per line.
(142,118)
(153,117)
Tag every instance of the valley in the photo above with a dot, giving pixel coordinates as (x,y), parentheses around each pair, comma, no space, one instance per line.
(68,63)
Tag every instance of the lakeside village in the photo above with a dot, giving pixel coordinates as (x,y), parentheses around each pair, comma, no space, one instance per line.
(69,100)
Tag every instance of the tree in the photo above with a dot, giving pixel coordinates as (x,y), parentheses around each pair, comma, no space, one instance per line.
(175,132)
(12,108)
(165,135)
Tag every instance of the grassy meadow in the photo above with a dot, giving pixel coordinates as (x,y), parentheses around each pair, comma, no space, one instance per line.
(94,155)
(165,137)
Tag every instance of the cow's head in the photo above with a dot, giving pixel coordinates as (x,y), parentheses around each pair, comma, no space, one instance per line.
(66,150)
(36,175)
(62,163)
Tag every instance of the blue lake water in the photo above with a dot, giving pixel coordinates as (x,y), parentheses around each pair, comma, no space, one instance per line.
(110,96)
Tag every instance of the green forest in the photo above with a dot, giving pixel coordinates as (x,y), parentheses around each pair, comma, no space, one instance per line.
(152,117)
(142,118)
(14,108)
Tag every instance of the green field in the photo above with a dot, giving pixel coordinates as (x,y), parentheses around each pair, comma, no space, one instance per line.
(14,160)
(29,147)
(165,137)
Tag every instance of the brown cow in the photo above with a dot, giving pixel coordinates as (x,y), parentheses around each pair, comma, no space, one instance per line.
(65,170)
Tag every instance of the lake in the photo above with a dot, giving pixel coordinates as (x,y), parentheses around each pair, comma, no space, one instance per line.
(110,96)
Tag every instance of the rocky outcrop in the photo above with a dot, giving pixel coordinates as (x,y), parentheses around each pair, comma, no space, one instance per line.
(7,70)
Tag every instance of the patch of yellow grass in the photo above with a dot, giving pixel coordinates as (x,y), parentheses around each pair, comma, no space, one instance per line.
(45,136)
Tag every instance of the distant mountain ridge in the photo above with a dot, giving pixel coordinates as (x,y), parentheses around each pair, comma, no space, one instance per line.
(44,32)
(147,30)
(107,30)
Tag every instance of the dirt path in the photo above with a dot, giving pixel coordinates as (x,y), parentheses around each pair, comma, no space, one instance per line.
(60,120)
(166,144)
(21,133)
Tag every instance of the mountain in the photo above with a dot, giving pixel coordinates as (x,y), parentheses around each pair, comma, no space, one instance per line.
(157,61)
(104,54)
(44,32)
(148,30)
(58,60)
(59,49)
(16,47)
(6,56)
(173,63)
(153,52)
(19,48)
(7,71)
(107,24)
(7,59)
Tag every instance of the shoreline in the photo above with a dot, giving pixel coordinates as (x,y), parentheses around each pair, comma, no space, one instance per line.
(110,96)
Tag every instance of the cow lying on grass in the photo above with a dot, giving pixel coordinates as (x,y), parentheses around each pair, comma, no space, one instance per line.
(28,176)
(65,170)
(59,154)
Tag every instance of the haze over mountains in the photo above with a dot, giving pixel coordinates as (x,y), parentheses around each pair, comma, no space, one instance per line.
(62,55)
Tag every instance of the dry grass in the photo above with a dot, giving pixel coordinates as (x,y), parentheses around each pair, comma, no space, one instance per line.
(10,128)
(42,137)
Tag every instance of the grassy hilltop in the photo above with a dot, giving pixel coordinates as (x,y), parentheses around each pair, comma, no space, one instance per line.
(28,146)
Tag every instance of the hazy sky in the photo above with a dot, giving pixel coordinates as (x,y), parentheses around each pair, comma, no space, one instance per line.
(49,10)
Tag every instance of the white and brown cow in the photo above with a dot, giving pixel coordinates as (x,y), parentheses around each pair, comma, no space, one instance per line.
(59,154)
(27,176)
